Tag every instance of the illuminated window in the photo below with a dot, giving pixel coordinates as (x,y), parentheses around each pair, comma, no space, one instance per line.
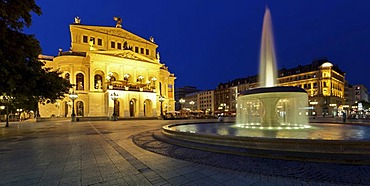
(84,39)
(79,81)
(80,108)
(112,44)
(98,82)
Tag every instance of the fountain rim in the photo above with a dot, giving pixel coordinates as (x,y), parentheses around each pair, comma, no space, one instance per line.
(272,90)
(330,151)
(167,129)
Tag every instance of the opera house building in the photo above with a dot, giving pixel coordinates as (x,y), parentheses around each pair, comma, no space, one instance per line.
(113,72)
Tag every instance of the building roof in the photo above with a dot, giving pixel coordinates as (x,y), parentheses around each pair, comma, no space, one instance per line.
(114,31)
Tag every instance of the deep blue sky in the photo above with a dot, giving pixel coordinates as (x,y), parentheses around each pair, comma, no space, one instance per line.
(206,42)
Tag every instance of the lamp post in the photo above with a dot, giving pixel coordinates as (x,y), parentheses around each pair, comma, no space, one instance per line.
(191,103)
(114,97)
(73,96)
(182,101)
(161,99)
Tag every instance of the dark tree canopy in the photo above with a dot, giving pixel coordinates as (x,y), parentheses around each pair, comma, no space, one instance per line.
(22,75)
(16,14)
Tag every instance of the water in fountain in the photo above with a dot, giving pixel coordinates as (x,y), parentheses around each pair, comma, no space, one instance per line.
(271,107)
(268,71)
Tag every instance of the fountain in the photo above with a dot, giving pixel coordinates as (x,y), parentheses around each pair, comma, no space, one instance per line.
(265,122)
(271,107)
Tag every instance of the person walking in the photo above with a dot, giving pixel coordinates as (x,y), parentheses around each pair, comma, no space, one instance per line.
(344,116)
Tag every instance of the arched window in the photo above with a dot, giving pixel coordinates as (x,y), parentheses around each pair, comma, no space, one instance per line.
(98,81)
(67,77)
(80,108)
(116,106)
(79,81)
(132,108)
(147,108)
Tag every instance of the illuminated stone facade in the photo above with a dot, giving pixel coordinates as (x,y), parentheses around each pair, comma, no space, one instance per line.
(323,81)
(104,61)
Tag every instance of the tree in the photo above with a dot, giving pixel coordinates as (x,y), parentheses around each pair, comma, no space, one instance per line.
(22,76)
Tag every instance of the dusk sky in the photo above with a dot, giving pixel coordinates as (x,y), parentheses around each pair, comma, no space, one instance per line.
(205,42)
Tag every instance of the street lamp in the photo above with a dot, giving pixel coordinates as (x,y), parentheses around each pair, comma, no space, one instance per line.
(182,101)
(73,96)
(191,103)
(114,97)
(19,113)
(314,103)
(161,99)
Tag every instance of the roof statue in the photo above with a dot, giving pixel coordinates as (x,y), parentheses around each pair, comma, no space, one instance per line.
(77,20)
(151,38)
(119,21)
(158,57)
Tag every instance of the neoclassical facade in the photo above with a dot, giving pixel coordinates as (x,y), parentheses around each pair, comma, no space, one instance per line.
(111,70)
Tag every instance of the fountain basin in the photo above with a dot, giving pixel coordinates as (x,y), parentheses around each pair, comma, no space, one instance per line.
(273,108)
(353,151)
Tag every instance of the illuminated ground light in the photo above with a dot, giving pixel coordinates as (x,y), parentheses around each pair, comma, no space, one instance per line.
(258,126)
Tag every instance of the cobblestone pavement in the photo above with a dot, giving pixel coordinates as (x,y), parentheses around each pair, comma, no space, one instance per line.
(105,153)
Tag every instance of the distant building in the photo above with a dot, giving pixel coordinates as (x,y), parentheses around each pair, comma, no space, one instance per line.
(200,101)
(226,94)
(361,93)
(105,62)
(323,81)
(349,95)
(191,101)
(181,92)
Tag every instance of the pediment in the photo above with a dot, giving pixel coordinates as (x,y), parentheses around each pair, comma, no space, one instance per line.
(126,54)
(118,32)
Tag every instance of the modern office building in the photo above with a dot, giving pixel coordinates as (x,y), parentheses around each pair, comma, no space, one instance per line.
(113,71)
(323,81)
(180,93)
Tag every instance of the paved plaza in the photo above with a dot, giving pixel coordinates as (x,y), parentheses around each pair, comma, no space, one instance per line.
(125,153)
